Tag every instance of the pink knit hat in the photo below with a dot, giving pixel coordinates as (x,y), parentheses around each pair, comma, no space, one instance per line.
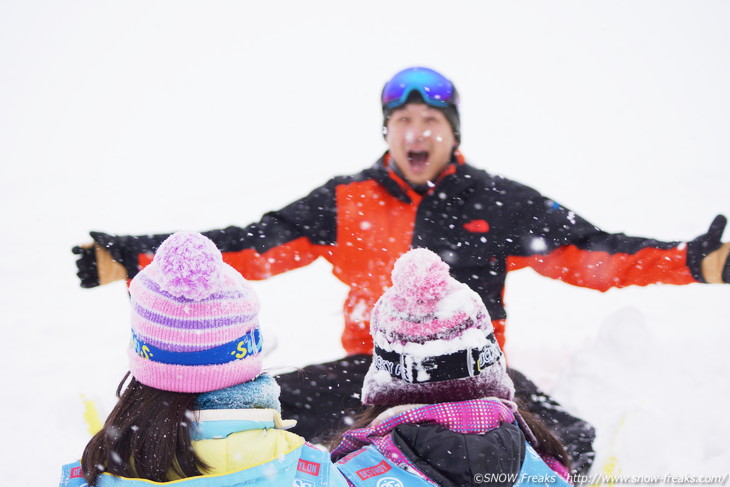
(194,320)
(434,340)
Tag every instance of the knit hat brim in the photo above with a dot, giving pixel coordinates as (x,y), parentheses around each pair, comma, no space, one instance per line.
(193,378)
(380,388)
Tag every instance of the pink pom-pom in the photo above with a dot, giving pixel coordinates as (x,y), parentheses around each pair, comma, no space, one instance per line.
(421,274)
(189,265)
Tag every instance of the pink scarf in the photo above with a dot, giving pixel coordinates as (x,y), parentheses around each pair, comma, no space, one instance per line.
(474,416)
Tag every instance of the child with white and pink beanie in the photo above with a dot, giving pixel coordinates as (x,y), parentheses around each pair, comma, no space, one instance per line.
(440,402)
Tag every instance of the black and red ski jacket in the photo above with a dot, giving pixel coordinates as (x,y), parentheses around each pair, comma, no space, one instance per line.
(482,225)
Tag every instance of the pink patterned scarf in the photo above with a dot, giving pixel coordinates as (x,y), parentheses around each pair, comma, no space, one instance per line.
(473,416)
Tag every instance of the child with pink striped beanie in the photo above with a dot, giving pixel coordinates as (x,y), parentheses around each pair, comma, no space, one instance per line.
(194,320)
(198,409)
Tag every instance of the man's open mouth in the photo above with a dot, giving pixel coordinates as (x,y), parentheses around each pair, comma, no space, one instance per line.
(418,159)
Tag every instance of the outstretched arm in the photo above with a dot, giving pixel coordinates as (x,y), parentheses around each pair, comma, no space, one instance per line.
(581,254)
(282,240)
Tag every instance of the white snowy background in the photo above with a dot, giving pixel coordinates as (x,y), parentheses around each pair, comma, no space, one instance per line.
(149,116)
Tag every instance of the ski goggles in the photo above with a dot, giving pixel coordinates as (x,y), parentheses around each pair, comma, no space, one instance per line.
(435,89)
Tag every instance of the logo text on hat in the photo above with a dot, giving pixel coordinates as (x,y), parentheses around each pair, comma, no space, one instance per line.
(395,370)
(488,356)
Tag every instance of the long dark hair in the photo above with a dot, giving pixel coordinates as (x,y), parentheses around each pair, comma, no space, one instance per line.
(147,436)
(547,443)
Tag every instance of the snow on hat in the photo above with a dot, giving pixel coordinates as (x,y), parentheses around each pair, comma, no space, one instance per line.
(194,320)
(434,340)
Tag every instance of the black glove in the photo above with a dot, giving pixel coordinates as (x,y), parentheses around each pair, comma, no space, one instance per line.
(704,245)
(86,264)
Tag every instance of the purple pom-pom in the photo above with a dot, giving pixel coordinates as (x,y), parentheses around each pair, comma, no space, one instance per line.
(189,265)
(421,274)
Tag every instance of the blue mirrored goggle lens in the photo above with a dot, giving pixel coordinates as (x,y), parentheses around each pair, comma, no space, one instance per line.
(434,88)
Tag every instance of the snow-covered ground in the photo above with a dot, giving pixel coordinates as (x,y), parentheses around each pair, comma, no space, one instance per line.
(133,117)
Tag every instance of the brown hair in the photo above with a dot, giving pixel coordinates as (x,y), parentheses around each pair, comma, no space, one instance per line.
(547,443)
(147,435)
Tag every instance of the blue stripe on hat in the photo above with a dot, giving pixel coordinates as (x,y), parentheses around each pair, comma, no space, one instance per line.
(246,346)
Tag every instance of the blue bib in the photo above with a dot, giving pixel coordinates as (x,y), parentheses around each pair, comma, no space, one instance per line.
(306,466)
